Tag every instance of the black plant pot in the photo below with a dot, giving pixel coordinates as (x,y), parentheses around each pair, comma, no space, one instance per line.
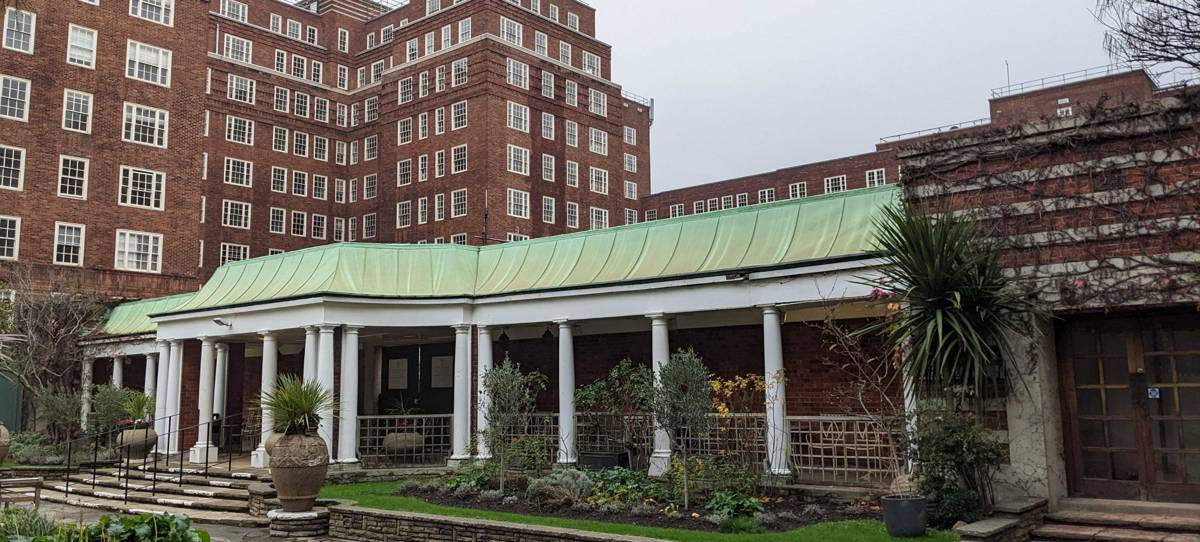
(597,461)
(904,516)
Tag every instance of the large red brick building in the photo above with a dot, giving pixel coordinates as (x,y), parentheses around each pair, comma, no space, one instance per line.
(147,156)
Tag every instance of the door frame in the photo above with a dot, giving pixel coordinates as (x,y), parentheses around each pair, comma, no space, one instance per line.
(1146,488)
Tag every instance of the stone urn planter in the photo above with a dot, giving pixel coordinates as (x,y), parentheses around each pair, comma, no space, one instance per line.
(298,467)
(5,441)
(137,441)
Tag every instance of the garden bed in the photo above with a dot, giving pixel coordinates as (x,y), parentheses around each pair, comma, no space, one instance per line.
(382,496)
(780,514)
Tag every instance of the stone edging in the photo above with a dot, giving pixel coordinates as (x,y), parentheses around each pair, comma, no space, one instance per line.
(369,524)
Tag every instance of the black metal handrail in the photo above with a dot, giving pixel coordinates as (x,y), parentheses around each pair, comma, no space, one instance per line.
(222,427)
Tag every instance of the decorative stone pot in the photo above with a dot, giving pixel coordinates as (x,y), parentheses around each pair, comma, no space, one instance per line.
(298,467)
(138,441)
(904,515)
(5,441)
(397,443)
(271,440)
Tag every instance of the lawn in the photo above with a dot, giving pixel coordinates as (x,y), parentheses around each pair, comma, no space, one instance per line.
(379,495)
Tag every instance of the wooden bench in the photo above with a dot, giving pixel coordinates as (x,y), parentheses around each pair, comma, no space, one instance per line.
(15,490)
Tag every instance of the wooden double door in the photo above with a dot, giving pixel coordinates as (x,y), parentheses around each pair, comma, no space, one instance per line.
(1131,407)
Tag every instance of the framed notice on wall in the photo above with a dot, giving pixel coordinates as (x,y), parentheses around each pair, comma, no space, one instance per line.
(398,374)
(442,372)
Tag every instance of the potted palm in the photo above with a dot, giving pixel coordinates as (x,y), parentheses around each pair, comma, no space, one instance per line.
(950,311)
(138,437)
(299,458)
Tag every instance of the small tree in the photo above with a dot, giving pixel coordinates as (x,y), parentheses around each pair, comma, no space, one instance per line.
(511,397)
(52,311)
(682,403)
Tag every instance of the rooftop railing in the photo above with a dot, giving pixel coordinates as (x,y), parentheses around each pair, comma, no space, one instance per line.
(1062,79)
(937,130)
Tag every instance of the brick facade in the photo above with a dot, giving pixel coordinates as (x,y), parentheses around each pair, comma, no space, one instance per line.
(200,103)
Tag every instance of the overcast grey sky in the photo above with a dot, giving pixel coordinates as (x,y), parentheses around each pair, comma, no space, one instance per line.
(746,86)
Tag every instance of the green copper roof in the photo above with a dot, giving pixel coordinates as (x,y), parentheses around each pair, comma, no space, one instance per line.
(779,234)
(133,318)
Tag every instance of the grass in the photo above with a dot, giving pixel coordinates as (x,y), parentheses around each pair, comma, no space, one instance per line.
(379,495)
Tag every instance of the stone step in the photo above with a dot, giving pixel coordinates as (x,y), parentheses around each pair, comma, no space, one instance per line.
(1111,506)
(214,471)
(162,486)
(1129,520)
(177,501)
(1061,532)
(202,517)
(191,479)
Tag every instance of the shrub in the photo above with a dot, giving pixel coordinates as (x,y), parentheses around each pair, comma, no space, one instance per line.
(465,492)
(17,522)
(510,500)
(766,519)
(560,488)
(682,401)
(160,528)
(741,525)
(530,453)
(709,476)
(479,476)
(624,486)
(108,408)
(30,448)
(510,396)
(57,409)
(491,495)
(716,519)
(959,459)
(733,504)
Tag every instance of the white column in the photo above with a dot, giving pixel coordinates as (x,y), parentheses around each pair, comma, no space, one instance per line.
(776,398)
(347,451)
(325,376)
(150,375)
(566,394)
(175,386)
(483,367)
(310,353)
(118,372)
(204,451)
(461,425)
(660,353)
(85,382)
(270,367)
(161,392)
(222,376)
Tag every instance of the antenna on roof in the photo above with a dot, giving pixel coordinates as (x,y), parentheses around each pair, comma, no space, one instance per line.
(1007,73)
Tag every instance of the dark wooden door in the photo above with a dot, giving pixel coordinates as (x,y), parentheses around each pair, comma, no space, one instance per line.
(1131,403)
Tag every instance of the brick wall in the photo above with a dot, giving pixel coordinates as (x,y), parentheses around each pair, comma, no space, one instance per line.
(355,523)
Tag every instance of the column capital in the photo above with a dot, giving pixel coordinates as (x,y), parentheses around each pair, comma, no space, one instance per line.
(310,329)
(461,328)
(770,309)
(266,333)
(222,346)
(208,341)
(152,355)
(561,323)
(162,343)
(352,328)
(121,358)
(175,343)
(481,327)
(327,328)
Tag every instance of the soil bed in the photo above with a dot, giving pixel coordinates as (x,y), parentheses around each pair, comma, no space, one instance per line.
(802,513)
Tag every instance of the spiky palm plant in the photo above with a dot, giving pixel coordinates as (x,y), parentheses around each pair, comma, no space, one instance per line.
(953,308)
(296,405)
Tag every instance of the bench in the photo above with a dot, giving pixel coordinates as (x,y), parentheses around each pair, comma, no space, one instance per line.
(16,490)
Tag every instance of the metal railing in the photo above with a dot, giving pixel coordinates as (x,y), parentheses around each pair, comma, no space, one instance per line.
(225,431)
(842,449)
(1062,79)
(936,130)
(396,441)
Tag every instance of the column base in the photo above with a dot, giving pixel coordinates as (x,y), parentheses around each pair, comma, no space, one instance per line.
(260,459)
(780,471)
(203,453)
(660,463)
(459,460)
(348,461)
(486,456)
